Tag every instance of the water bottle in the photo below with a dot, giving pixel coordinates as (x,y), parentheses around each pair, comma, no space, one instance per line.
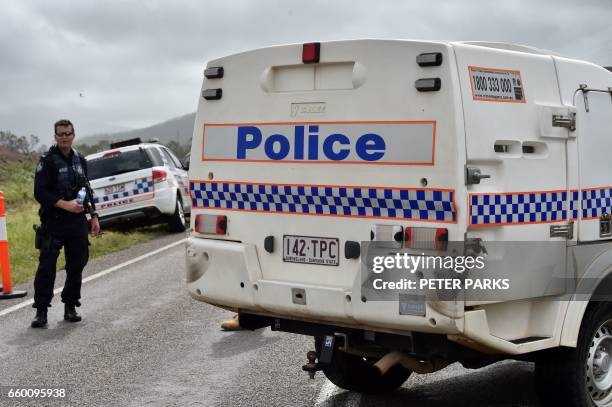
(81,196)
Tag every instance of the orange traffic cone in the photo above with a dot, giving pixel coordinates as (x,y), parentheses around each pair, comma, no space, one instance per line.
(6,290)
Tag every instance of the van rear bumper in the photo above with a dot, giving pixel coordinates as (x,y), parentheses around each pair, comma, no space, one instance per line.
(228,274)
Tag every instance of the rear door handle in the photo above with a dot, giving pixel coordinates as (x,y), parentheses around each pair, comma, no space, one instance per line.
(473,175)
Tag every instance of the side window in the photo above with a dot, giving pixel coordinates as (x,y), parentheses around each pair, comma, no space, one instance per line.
(155,157)
(166,157)
(177,162)
(173,161)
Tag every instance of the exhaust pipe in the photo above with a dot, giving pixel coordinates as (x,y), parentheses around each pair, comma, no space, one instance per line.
(409,362)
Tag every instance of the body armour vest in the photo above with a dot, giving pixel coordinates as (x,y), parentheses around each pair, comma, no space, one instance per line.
(68,187)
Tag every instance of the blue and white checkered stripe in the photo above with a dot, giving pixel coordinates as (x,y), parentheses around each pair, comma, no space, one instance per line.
(574,204)
(516,208)
(141,186)
(595,202)
(420,204)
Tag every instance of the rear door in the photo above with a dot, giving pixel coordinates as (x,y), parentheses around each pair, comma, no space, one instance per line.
(594,196)
(179,174)
(328,151)
(119,178)
(508,98)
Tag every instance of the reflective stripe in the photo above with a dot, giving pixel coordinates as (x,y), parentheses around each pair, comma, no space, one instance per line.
(513,208)
(3,235)
(327,200)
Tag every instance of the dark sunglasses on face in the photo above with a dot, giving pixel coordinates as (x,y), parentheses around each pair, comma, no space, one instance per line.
(65,134)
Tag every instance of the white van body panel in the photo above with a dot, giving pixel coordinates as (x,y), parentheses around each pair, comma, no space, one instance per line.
(595,263)
(252,161)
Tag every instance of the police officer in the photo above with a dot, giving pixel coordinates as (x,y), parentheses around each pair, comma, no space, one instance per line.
(60,175)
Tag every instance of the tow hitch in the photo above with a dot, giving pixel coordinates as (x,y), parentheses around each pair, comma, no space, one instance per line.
(325,358)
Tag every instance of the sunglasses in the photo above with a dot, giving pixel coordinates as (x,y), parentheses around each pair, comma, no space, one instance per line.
(65,134)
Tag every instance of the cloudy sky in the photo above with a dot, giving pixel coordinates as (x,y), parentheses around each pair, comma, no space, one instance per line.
(140,62)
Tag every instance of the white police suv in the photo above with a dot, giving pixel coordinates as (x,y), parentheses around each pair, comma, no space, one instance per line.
(136,180)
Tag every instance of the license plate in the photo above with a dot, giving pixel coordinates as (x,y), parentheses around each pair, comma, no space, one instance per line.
(114,189)
(311,250)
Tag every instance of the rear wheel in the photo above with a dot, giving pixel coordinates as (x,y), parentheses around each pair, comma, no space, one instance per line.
(580,377)
(176,223)
(356,373)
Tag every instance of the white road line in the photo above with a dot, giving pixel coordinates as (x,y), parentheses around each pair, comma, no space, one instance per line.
(97,275)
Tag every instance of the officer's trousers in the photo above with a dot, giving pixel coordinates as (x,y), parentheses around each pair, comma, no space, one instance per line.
(71,234)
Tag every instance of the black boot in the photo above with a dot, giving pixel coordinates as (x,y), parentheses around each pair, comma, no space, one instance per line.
(40,320)
(70,313)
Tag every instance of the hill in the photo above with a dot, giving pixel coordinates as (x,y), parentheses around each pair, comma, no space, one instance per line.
(179,129)
(7,155)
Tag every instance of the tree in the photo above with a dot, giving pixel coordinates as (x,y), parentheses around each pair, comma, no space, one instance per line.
(178,149)
(18,144)
(86,149)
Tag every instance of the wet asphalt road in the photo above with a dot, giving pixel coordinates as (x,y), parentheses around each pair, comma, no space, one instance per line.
(144,342)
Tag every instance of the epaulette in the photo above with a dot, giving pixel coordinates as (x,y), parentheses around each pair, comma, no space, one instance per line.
(46,154)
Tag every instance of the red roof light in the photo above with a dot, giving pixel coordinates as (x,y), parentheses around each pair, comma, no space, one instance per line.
(112,154)
(311,52)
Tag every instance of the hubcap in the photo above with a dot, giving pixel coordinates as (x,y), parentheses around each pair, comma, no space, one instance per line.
(598,368)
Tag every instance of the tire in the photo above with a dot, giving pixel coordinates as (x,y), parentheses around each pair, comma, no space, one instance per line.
(176,223)
(581,376)
(355,373)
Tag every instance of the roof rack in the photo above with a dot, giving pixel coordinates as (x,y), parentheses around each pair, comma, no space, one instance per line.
(129,142)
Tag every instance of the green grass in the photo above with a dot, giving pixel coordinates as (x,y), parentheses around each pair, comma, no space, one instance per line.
(17,183)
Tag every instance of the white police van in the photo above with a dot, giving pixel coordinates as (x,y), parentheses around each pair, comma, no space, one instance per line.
(135,180)
(303,154)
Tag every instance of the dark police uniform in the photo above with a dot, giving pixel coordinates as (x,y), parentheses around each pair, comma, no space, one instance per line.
(58,177)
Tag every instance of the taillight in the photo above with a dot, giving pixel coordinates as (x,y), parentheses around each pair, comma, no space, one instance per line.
(426,238)
(159,176)
(211,224)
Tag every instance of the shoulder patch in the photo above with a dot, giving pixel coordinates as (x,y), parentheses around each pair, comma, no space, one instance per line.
(39,167)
